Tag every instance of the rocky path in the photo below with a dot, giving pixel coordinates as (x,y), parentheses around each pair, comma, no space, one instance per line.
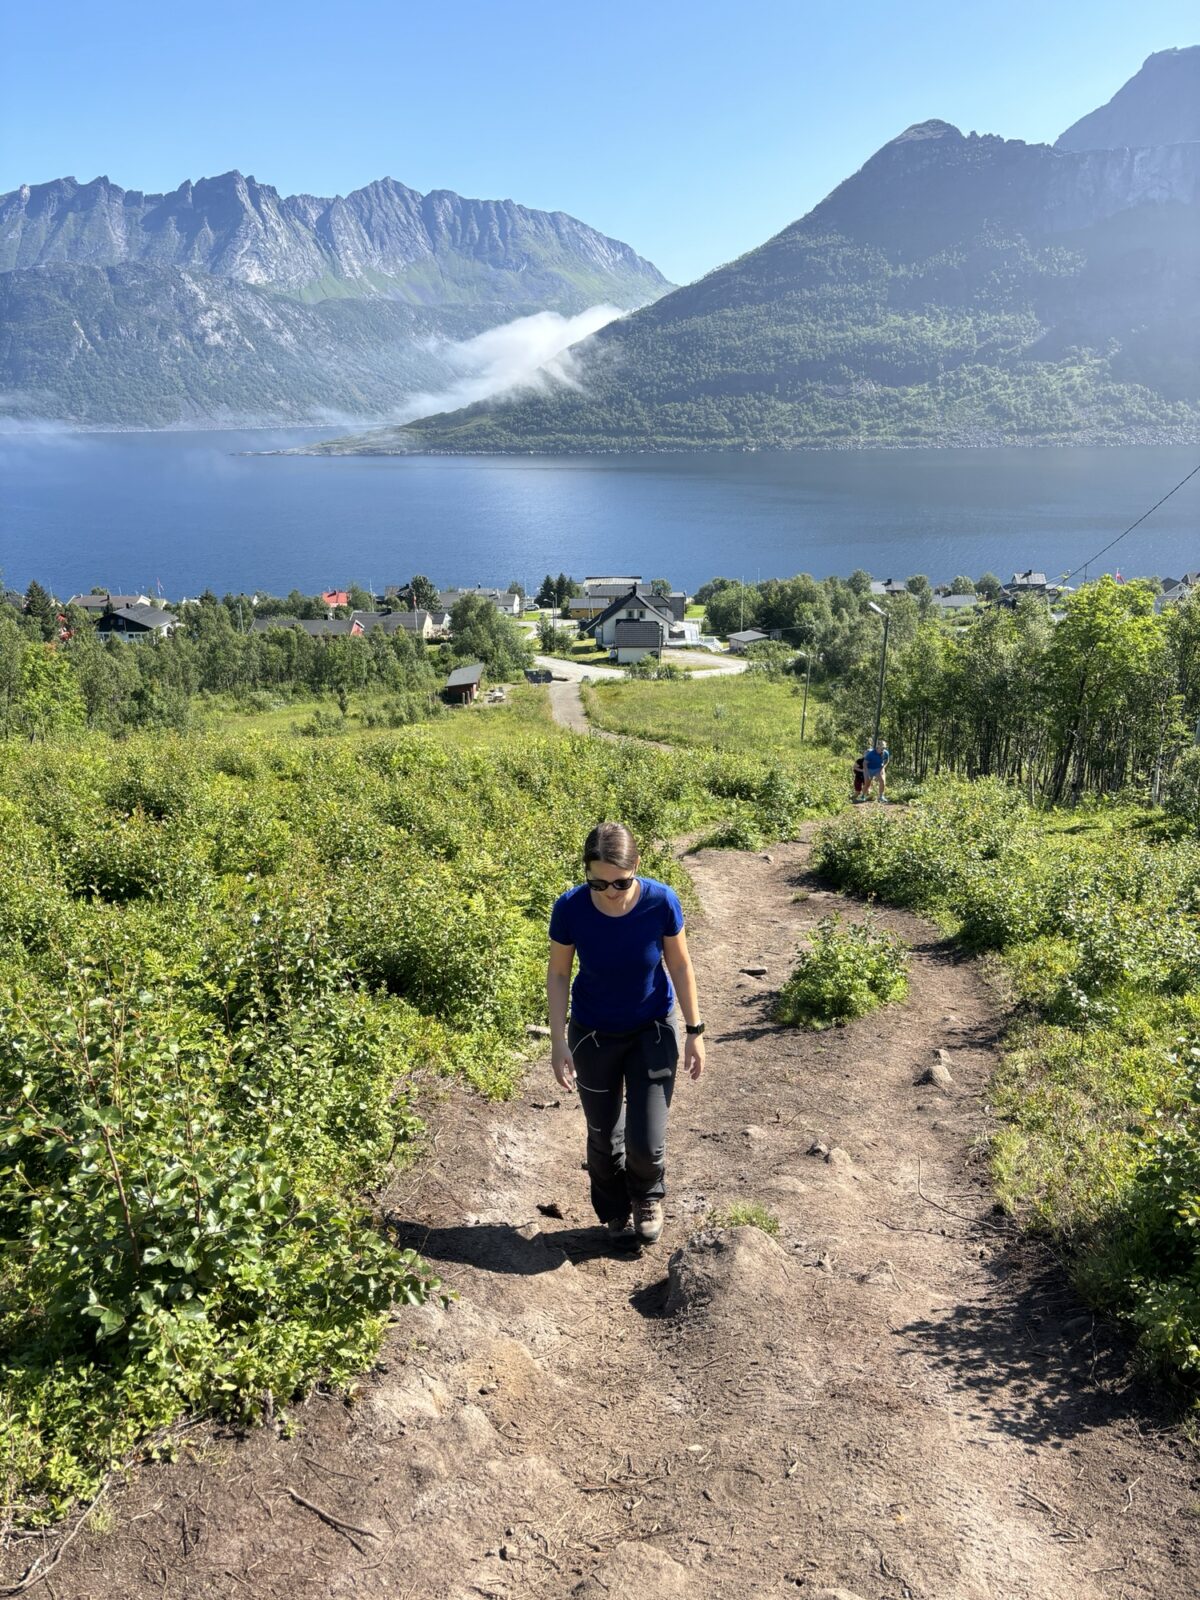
(888,1400)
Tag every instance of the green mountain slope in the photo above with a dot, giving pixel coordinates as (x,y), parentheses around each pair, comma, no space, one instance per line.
(957,290)
(134,346)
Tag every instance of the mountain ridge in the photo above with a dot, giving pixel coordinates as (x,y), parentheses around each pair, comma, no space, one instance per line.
(223,299)
(368,240)
(958,288)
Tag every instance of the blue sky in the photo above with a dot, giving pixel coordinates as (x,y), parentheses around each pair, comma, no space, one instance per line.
(693,129)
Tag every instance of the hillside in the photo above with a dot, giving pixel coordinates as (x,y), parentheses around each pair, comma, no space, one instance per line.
(958,289)
(223,300)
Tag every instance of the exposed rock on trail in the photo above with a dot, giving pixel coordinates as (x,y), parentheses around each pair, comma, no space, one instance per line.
(887,1401)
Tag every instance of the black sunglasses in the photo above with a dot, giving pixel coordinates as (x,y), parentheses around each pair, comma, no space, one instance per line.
(601,884)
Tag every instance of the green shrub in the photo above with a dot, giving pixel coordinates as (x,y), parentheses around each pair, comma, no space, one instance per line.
(849,969)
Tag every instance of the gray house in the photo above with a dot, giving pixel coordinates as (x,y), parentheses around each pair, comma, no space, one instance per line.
(1176,590)
(97,604)
(740,642)
(635,639)
(418,623)
(315,628)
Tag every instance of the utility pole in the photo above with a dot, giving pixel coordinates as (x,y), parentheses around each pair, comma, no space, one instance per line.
(807,681)
(880,612)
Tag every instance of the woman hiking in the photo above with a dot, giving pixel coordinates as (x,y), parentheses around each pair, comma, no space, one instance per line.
(621,1048)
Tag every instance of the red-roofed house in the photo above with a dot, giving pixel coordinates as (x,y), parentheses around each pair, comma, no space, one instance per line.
(336,597)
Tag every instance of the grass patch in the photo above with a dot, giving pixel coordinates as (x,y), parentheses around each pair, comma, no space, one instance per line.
(744,714)
(745,1214)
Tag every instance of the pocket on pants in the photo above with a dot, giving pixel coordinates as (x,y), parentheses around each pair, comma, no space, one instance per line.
(666,1043)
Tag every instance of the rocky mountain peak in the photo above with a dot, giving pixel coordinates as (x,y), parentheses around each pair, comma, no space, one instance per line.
(933,129)
(1159,105)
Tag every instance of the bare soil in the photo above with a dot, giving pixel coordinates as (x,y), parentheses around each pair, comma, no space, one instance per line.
(894,1399)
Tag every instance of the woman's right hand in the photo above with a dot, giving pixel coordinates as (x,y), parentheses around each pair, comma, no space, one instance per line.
(564,1066)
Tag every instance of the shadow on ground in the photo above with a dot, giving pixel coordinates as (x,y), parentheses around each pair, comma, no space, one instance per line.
(1043,1367)
(500,1247)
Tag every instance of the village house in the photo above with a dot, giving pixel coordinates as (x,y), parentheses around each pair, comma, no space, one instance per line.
(462,686)
(1029,582)
(97,604)
(951,604)
(136,623)
(741,641)
(632,606)
(633,640)
(316,628)
(418,623)
(599,593)
(889,586)
(506,601)
(1176,590)
(662,612)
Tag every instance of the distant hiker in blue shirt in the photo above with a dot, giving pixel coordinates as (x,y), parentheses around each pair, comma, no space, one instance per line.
(622,1045)
(875,762)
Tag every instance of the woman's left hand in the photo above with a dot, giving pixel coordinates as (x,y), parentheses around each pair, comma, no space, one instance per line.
(693,1054)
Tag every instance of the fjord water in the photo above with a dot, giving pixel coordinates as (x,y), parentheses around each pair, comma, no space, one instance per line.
(131,510)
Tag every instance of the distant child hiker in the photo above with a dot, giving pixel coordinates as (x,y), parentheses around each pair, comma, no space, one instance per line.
(621,1048)
(860,778)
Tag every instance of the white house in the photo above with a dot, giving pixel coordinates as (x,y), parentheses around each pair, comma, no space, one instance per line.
(504,600)
(631,606)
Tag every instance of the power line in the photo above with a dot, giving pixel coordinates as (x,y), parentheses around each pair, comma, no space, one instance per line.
(1084,565)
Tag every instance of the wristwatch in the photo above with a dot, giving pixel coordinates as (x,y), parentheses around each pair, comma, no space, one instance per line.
(694,1027)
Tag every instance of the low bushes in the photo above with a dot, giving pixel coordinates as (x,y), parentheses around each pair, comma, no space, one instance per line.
(848,970)
(225,965)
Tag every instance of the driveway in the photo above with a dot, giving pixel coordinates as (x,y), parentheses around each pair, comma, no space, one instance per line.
(576,671)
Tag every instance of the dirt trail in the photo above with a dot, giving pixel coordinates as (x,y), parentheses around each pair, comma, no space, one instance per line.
(888,1401)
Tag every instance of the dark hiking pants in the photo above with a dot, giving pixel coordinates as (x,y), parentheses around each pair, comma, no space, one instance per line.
(625,1082)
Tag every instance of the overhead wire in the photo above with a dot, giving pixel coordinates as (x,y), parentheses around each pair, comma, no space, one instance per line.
(1086,564)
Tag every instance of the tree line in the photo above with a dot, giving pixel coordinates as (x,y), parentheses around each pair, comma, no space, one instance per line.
(58,676)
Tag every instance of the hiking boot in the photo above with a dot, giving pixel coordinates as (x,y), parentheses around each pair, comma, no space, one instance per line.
(648,1220)
(619,1227)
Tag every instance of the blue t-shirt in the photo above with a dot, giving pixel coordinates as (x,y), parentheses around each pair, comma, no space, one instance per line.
(876,760)
(621,981)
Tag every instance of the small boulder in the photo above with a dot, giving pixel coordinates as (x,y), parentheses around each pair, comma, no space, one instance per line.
(817,1148)
(633,1571)
(837,1157)
(939,1076)
(535,1030)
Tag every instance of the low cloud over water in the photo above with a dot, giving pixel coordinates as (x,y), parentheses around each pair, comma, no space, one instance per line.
(528,353)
